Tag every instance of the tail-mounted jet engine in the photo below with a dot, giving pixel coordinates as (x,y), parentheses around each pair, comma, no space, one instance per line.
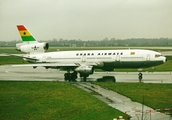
(34,47)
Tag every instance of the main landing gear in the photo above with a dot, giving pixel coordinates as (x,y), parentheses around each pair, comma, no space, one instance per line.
(70,76)
(73,76)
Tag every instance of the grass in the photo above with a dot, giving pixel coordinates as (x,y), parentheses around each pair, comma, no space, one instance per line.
(10,50)
(11,60)
(56,100)
(50,100)
(155,95)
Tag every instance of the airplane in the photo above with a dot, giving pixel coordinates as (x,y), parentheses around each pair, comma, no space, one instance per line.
(83,62)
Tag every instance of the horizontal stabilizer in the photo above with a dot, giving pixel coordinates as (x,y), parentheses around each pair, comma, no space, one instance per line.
(20,56)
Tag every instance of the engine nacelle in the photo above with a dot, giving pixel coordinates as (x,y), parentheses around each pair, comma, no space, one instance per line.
(34,47)
(100,64)
(85,70)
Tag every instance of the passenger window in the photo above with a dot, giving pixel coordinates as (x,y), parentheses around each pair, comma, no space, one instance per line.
(92,54)
(109,53)
(98,53)
(121,53)
(84,54)
(88,54)
(113,53)
(81,54)
(77,54)
(105,53)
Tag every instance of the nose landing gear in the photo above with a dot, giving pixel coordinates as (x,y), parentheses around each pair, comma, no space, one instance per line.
(140,76)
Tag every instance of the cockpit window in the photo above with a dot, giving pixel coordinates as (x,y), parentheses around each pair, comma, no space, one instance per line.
(157,55)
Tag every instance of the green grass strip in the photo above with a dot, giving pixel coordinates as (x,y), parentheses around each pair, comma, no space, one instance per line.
(155,95)
(50,100)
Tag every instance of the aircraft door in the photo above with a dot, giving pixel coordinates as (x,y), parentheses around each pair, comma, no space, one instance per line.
(148,57)
(83,58)
(118,57)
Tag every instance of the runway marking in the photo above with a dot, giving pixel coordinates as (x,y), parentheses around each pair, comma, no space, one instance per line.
(7,71)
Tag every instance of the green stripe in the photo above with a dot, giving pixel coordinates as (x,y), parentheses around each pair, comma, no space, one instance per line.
(28,38)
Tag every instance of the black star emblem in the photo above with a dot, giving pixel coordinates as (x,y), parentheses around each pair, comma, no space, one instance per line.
(35,48)
(24,33)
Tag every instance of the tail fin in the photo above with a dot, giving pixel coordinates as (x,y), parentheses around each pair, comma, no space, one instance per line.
(25,35)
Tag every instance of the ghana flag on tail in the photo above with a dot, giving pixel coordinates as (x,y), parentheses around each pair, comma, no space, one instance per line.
(24,33)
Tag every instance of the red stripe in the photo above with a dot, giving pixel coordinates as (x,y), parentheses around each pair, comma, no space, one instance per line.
(21,27)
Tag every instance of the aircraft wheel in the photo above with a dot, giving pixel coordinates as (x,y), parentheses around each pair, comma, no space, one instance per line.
(70,76)
(85,78)
(74,76)
(67,76)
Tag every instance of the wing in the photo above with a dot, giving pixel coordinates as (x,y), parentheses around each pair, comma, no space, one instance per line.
(50,65)
(46,65)
(54,65)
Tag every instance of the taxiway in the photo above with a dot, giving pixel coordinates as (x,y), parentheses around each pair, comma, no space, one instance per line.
(8,72)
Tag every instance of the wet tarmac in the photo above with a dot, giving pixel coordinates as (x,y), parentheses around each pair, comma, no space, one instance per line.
(41,74)
(136,110)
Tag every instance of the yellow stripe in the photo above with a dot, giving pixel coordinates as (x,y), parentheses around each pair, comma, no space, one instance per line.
(24,33)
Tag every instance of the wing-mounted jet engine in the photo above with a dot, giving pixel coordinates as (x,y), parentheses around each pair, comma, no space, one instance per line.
(85,71)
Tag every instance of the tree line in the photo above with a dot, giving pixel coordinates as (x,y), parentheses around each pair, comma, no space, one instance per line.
(100,43)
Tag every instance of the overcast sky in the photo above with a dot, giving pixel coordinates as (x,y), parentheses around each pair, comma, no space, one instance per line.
(86,19)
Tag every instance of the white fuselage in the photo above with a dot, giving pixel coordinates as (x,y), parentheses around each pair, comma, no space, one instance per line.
(116,58)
